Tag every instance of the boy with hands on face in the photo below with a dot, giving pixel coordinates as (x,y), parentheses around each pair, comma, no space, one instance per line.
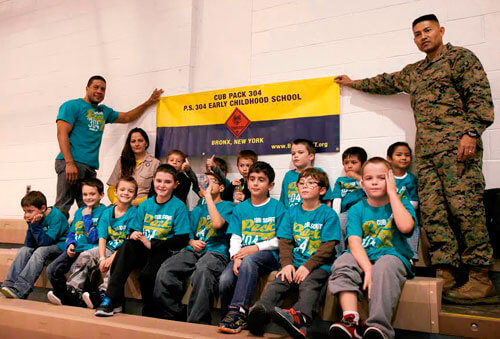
(378,258)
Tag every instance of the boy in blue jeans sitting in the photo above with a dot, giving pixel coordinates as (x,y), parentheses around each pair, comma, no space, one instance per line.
(47,229)
(253,247)
(307,237)
(378,259)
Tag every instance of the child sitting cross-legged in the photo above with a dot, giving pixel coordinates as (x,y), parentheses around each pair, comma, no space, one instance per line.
(307,237)
(378,258)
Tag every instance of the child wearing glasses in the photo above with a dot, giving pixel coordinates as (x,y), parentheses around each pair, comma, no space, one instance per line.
(307,237)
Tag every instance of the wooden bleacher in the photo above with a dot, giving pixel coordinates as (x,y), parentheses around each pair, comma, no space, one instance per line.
(419,308)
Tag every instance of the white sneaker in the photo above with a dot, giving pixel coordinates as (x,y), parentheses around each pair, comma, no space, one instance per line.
(53,298)
(86,299)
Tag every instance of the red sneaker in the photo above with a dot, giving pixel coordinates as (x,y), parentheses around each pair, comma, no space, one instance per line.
(347,328)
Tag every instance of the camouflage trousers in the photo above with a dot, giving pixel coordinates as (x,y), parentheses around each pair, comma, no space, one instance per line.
(452,209)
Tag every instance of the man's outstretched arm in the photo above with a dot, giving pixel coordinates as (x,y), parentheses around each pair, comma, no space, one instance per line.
(126,117)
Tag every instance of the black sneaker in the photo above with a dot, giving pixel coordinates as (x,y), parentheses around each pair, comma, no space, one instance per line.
(257,320)
(374,333)
(107,309)
(74,298)
(347,328)
(234,322)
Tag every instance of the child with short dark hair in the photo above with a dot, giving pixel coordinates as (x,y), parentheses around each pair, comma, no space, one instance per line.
(253,247)
(347,190)
(45,237)
(378,258)
(399,156)
(238,190)
(161,227)
(307,237)
(185,175)
(203,259)
(112,230)
(303,154)
(82,236)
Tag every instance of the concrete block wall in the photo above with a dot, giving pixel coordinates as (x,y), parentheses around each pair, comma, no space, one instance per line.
(48,50)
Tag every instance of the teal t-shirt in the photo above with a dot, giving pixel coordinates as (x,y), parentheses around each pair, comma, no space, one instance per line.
(380,236)
(290,194)
(407,186)
(115,230)
(202,228)
(308,229)
(349,190)
(256,223)
(78,228)
(88,126)
(55,225)
(161,221)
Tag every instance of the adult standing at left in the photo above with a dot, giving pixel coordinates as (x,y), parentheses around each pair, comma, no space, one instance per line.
(80,125)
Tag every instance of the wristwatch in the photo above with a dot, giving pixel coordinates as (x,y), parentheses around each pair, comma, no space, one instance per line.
(472,133)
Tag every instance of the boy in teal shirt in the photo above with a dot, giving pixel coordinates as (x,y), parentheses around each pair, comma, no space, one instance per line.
(399,156)
(81,237)
(204,259)
(307,237)
(161,227)
(253,247)
(303,154)
(378,259)
(45,237)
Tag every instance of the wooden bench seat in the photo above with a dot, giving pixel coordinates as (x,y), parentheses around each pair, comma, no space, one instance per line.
(30,319)
(420,296)
(12,231)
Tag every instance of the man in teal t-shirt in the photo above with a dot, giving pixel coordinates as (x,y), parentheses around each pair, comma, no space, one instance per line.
(80,125)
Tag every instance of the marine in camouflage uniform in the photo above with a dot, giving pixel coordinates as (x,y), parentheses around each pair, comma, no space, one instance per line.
(450,96)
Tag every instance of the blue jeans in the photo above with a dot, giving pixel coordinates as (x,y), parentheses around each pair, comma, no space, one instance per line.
(236,291)
(413,241)
(27,266)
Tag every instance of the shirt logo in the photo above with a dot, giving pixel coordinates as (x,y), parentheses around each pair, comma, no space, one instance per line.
(96,120)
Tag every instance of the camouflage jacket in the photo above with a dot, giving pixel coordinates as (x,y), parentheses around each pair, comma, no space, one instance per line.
(449,96)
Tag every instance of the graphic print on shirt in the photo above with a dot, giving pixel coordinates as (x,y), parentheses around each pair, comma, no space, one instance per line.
(257,229)
(80,228)
(293,194)
(117,235)
(378,233)
(96,120)
(348,187)
(157,226)
(205,229)
(307,237)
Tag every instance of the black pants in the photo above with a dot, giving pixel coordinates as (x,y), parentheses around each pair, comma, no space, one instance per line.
(131,255)
(309,292)
(57,272)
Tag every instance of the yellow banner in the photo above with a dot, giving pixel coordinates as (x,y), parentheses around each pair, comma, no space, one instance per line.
(285,100)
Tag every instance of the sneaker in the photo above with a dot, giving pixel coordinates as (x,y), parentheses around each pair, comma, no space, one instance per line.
(74,298)
(234,322)
(292,321)
(10,292)
(54,299)
(257,320)
(87,300)
(107,309)
(347,328)
(373,333)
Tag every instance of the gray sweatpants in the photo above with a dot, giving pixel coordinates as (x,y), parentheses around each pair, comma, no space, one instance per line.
(388,278)
(83,266)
